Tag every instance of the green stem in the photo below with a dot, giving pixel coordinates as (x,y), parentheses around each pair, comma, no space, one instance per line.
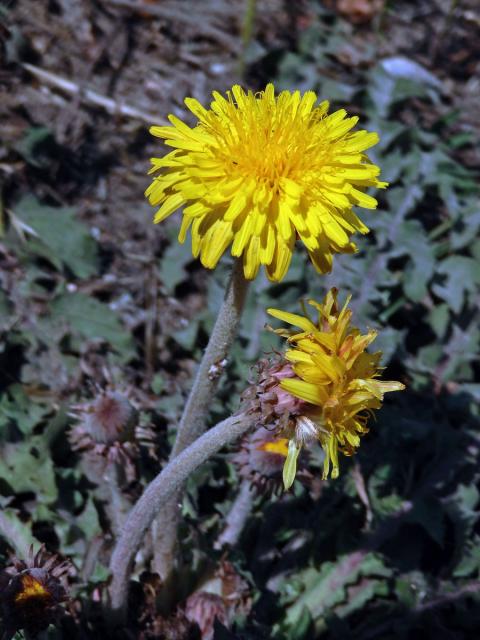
(192,423)
(194,419)
(157,495)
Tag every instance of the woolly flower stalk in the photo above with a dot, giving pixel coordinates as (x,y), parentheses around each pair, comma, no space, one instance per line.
(336,379)
(260,171)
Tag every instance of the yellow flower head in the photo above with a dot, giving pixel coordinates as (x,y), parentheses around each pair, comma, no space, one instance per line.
(334,376)
(259,171)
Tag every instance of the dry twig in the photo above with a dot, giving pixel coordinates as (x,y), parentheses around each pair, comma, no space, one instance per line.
(92,97)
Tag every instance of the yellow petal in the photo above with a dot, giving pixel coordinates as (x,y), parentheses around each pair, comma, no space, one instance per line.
(236,206)
(293,318)
(242,236)
(170,205)
(214,243)
(197,109)
(277,269)
(304,390)
(251,260)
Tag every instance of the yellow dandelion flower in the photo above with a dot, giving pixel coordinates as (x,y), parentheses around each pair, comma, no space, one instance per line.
(260,171)
(335,376)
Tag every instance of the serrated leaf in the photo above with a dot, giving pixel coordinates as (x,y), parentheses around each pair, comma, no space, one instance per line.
(326,588)
(462,275)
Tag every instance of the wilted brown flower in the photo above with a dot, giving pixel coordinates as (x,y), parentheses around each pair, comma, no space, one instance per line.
(260,459)
(31,593)
(204,608)
(109,418)
(105,434)
(220,598)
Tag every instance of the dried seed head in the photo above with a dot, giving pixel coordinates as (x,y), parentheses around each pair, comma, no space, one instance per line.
(110,418)
(105,434)
(31,593)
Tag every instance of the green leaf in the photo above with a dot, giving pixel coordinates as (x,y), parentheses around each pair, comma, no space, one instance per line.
(158,383)
(172,266)
(30,145)
(439,317)
(470,559)
(60,236)
(27,467)
(16,532)
(18,409)
(325,589)
(462,275)
(88,521)
(92,319)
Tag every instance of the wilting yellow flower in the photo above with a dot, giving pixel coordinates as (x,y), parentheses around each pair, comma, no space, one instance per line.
(259,171)
(334,376)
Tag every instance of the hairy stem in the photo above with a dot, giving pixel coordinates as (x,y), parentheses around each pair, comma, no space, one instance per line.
(118,505)
(156,496)
(192,423)
(237,517)
(194,419)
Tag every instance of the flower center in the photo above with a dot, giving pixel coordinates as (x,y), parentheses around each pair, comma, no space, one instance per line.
(267,148)
(31,588)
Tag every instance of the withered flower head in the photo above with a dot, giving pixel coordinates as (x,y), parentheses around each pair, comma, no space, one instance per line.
(221,598)
(204,608)
(110,418)
(31,593)
(106,433)
(260,459)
